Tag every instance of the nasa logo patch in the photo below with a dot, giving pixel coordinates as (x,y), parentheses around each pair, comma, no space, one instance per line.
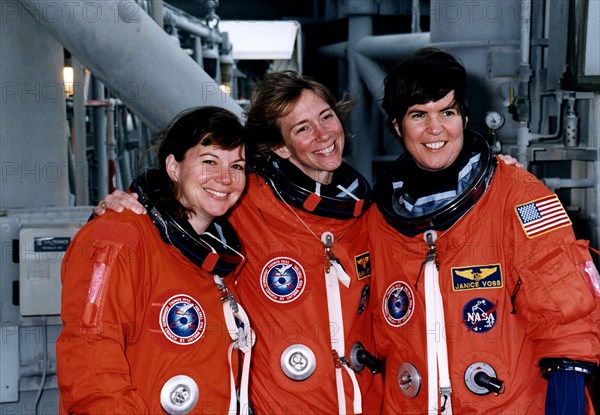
(398,304)
(282,280)
(182,319)
(479,315)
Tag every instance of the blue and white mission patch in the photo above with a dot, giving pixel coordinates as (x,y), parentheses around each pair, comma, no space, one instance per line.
(182,319)
(398,304)
(283,279)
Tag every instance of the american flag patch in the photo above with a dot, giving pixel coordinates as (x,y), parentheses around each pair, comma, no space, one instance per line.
(542,215)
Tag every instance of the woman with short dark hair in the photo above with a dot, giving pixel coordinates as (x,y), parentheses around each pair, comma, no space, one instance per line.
(149,323)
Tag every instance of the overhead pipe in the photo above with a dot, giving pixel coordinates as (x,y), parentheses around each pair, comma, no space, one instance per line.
(336,50)
(191,25)
(385,47)
(392,47)
(554,183)
(370,49)
(388,47)
(372,76)
(122,48)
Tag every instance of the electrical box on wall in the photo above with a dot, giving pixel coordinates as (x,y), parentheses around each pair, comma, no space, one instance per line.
(41,250)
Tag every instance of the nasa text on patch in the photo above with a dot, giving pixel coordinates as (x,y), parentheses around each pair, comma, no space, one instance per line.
(477,277)
(479,315)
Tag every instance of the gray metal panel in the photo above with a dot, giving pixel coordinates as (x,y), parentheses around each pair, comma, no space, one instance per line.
(496,21)
(58,220)
(9,269)
(502,62)
(9,363)
(27,343)
(41,250)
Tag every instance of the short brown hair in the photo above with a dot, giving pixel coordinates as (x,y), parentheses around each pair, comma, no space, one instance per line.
(272,99)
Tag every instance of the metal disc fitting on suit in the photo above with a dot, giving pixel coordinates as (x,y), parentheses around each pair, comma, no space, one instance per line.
(474,375)
(357,365)
(179,395)
(298,362)
(408,379)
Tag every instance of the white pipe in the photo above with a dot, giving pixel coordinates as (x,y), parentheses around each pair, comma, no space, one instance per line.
(525,30)
(385,47)
(124,48)
(523,138)
(392,47)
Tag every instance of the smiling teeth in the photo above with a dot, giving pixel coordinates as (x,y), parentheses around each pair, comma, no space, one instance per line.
(214,192)
(326,150)
(435,146)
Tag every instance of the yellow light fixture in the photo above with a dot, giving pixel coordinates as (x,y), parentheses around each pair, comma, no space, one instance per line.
(226,88)
(68,80)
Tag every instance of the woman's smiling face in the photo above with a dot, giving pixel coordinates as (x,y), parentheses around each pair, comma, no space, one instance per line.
(433,132)
(209,179)
(313,136)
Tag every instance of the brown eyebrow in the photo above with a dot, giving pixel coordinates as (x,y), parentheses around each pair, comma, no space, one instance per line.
(450,107)
(306,120)
(217,157)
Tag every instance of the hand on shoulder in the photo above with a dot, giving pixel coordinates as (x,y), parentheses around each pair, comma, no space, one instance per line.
(118,201)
